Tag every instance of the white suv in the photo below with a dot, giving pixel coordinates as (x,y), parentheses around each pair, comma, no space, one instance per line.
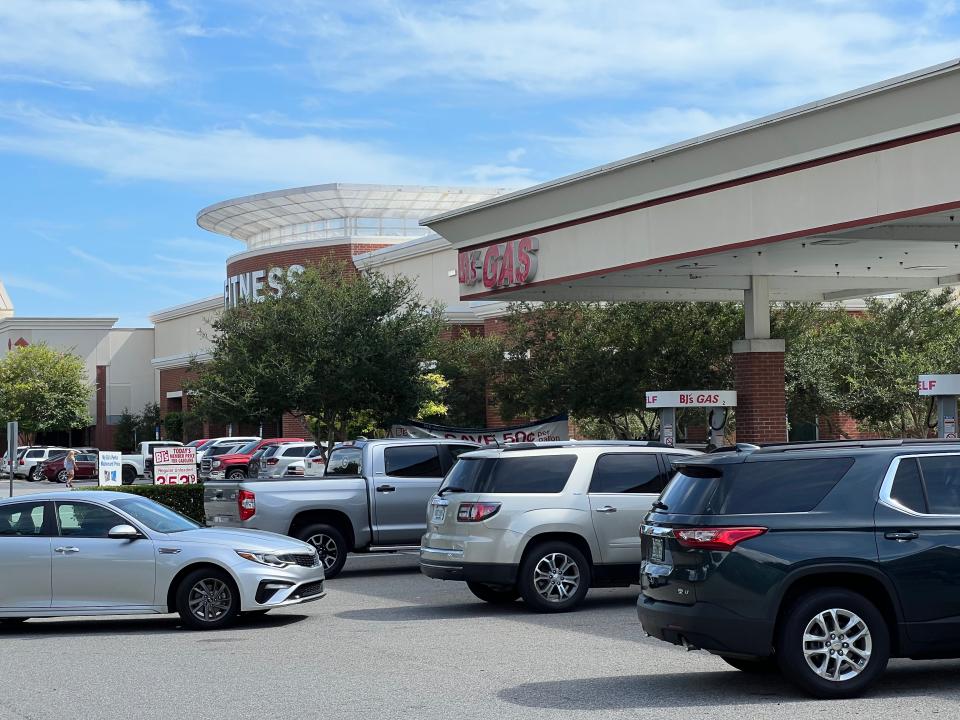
(28,463)
(276,458)
(545,522)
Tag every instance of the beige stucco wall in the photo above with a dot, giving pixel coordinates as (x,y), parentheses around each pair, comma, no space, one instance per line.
(183,335)
(130,376)
(430,271)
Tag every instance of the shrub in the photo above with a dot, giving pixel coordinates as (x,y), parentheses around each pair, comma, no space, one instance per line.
(185,499)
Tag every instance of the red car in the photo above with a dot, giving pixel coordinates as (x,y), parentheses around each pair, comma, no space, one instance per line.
(85,469)
(234,466)
(196,443)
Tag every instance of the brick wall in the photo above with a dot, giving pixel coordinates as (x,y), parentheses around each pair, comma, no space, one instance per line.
(455,330)
(301,256)
(171,381)
(761,400)
(839,426)
(293,426)
(102,433)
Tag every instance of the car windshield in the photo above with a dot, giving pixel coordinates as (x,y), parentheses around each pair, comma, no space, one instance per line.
(155,516)
(207,444)
(249,447)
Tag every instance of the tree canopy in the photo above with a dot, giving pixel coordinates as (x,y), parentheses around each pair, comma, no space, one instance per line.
(332,345)
(44,389)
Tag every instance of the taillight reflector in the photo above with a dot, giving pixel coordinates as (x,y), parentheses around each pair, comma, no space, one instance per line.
(246,504)
(715,538)
(476,511)
(272,461)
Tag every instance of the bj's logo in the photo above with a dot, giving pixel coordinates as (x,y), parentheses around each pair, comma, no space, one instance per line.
(502,265)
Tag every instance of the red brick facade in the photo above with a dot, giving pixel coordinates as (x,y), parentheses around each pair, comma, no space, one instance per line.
(102,432)
(839,426)
(300,256)
(761,400)
(171,381)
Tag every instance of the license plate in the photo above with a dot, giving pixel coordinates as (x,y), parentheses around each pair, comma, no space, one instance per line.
(221,518)
(656,550)
(439,514)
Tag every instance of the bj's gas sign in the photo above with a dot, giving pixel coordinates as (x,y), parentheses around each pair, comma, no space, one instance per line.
(498,266)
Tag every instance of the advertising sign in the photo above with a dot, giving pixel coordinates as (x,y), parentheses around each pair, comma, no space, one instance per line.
(938,385)
(691,398)
(110,467)
(175,466)
(549,429)
(498,266)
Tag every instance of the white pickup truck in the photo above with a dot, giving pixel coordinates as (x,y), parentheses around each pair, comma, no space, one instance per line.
(133,463)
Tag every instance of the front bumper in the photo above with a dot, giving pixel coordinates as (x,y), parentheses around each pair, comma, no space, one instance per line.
(492,573)
(705,626)
(263,587)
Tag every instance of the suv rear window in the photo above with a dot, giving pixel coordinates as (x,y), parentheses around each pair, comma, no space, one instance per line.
(531,474)
(778,486)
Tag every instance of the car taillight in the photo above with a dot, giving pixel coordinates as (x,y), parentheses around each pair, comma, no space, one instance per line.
(272,461)
(21,461)
(476,511)
(247,504)
(715,538)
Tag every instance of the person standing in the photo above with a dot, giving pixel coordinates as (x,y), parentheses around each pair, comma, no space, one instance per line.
(70,465)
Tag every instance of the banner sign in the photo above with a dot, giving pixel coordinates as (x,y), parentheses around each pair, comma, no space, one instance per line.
(938,385)
(175,466)
(110,466)
(549,429)
(691,398)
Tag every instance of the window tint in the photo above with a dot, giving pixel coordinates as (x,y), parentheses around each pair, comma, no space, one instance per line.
(458,450)
(35,453)
(413,461)
(941,477)
(298,451)
(270,451)
(776,486)
(531,474)
(344,461)
(22,519)
(907,487)
(86,520)
(155,516)
(626,473)
(86,458)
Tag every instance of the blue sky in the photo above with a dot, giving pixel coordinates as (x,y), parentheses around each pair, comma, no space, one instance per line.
(120,120)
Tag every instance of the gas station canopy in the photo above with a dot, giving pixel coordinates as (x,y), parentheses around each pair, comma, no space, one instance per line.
(851,196)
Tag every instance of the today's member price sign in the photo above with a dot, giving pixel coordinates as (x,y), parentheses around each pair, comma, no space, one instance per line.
(175,466)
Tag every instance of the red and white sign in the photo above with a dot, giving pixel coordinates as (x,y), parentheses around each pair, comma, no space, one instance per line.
(175,466)
(938,385)
(498,266)
(691,398)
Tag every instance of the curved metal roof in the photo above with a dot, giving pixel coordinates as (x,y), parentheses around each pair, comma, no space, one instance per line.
(246,217)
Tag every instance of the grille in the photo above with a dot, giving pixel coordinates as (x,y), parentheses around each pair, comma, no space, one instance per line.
(314,588)
(205,465)
(305,560)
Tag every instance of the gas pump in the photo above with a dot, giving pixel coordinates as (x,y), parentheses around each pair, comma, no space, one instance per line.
(945,389)
(667,402)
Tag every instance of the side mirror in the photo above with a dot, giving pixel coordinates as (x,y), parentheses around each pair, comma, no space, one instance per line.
(123,532)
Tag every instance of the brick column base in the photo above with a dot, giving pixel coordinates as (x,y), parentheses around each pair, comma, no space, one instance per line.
(761,395)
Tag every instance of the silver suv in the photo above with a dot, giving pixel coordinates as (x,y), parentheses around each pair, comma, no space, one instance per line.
(545,522)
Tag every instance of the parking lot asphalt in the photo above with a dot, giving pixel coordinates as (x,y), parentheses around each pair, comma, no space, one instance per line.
(387,642)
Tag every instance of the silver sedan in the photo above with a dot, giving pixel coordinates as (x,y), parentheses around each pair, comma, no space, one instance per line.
(111,553)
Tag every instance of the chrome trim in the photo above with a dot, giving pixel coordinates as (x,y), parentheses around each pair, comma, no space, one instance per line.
(655,530)
(168,551)
(391,548)
(440,551)
(886,487)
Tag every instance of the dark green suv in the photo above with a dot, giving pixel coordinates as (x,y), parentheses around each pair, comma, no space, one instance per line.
(822,560)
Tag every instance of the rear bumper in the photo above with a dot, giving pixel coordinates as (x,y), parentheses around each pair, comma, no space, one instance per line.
(493,573)
(705,626)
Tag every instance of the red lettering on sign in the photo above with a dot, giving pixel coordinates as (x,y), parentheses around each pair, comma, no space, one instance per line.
(505,278)
(490,260)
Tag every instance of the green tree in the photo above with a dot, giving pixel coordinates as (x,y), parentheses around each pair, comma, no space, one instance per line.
(173,425)
(468,363)
(44,389)
(149,421)
(332,345)
(125,431)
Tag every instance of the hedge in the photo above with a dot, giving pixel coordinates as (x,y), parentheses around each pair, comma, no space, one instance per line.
(185,499)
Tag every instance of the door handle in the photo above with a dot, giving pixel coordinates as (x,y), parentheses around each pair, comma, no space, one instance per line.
(901,536)
(606,509)
(67,550)
(385,488)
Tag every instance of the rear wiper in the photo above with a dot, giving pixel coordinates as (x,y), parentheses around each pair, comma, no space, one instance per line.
(659,505)
(450,488)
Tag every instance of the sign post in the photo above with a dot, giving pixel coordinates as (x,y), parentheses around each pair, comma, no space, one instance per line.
(175,466)
(13,433)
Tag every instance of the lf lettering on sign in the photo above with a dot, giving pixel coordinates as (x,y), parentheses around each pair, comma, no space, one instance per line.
(502,265)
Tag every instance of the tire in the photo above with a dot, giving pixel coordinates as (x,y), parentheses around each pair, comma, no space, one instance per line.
(753,666)
(494,594)
(62,476)
(540,590)
(331,545)
(34,474)
(207,599)
(824,613)
(237,474)
(128,475)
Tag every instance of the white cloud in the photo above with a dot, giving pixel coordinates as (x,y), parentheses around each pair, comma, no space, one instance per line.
(90,40)
(24,283)
(236,157)
(576,48)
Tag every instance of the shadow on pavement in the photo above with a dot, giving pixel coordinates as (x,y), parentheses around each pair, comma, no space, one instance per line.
(701,689)
(156,625)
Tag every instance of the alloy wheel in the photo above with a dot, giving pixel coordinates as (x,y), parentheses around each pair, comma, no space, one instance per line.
(210,599)
(556,577)
(62,476)
(837,644)
(326,548)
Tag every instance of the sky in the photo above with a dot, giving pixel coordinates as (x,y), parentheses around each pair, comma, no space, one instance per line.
(120,120)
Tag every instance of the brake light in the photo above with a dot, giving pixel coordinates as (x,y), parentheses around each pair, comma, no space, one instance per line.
(476,511)
(272,461)
(715,538)
(21,461)
(247,504)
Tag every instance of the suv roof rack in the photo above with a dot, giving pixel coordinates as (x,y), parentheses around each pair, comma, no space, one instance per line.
(582,443)
(841,444)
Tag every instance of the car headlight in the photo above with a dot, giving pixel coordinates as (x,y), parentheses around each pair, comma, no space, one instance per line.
(262,558)
(217,463)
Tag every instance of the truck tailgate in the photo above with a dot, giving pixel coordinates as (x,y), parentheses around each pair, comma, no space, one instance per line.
(220,503)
